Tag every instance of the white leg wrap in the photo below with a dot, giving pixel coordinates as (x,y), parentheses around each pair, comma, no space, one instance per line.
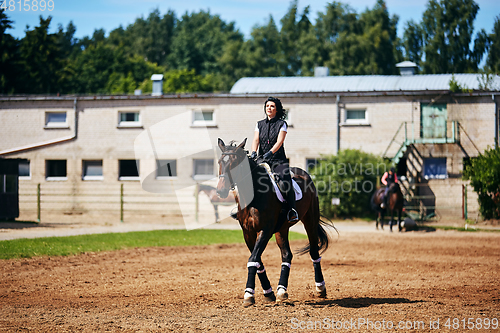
(281,287)
(320,284)
(251,264)
(286,264)
(317,260)
(249,291)
(261,271)
(270,290)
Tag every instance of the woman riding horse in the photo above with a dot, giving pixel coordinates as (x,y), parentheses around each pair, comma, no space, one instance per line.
(260,216)
(269,138)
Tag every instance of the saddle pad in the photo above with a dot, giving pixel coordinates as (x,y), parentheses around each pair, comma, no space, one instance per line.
(279,195)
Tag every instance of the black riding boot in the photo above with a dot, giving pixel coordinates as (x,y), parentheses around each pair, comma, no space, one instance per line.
(292,216)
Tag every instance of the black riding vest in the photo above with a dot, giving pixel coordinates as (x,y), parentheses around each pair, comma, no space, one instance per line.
(268,136)
(391,178)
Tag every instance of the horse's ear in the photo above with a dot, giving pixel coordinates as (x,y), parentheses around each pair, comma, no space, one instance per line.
(242,145)
(221,144)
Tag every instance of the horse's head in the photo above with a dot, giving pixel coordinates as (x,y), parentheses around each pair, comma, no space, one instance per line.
(231,157)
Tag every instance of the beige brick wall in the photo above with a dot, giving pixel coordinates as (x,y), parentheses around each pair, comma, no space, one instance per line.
(313,132)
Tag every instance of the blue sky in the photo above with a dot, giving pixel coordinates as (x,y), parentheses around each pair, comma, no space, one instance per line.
(109,14)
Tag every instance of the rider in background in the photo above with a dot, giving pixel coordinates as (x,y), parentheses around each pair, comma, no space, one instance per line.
(269,138)
(388,178)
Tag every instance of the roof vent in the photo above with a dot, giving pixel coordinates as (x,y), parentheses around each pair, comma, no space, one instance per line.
(157,84)
(321,71)
(407,68)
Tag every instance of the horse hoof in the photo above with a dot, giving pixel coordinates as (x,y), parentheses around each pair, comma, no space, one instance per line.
(282,295)
(320,291)
(248,302)
(270,298)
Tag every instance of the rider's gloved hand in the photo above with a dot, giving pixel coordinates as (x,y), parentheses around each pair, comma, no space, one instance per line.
(267,156)
(253,155)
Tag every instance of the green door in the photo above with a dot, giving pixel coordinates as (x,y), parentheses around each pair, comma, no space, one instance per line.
(433,121)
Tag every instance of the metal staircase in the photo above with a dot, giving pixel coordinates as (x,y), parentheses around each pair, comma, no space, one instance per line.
(407,142)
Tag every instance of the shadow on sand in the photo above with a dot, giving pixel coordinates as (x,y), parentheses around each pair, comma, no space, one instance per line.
(360,302)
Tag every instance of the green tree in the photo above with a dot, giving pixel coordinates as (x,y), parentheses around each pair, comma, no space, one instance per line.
(9,55)
(184,80)
(352,177)
(493,61)
(448,28)
(368,45)
(293,26)
(41,59)
(198,42)
(263,50)
(484,175)
(413,42)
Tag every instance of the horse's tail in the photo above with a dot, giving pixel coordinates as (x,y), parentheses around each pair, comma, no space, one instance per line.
(323,238)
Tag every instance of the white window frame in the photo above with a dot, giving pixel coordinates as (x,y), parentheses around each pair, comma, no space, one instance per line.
(55,178)
(348,122)
(56,124)
(203,176)
(29,169)
(166,177)
(203,123)
(130,124)
(87,177)
(137,163)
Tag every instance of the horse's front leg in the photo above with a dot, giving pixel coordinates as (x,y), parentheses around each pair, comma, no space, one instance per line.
(392,219)
(286,262)
(399,219)
(255,267)
(216,210)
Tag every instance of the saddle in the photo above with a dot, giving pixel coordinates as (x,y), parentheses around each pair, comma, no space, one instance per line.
(278,184)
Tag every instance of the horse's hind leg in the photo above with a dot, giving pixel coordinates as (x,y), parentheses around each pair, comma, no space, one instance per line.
(286,262)
(312,226)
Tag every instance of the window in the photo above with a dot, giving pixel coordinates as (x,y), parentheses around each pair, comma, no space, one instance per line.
(128,170)
(129,119)
(204,118)
(435,168)
(166,168)
(356,117)
(311,163)
(92,170)
(203,169)
(55,170)
(56,120)
(24,170)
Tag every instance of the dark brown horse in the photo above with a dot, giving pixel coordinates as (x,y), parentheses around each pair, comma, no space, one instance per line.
(261,215)
(394,204)
(215,200)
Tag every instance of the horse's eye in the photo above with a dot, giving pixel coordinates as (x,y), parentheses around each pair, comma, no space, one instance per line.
(225,158)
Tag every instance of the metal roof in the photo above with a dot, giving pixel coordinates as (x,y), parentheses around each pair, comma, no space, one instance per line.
(358,83)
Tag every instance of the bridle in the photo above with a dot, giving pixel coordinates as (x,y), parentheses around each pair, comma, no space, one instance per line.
(227,174)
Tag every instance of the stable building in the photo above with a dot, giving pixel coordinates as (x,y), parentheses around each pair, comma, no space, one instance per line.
(81,150)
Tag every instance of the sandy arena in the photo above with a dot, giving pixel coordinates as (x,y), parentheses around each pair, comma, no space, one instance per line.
(414,281)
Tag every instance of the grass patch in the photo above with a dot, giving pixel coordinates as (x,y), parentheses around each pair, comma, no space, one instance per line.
(70,245)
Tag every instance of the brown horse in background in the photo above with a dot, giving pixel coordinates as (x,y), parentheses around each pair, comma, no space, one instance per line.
(261,215)
(215,200)
(394,204)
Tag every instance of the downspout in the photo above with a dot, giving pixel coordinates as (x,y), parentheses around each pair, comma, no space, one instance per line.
(338,123)
(496,121)
(49,142)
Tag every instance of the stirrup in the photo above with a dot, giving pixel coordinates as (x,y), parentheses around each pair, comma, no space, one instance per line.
(292,216)
(382,205)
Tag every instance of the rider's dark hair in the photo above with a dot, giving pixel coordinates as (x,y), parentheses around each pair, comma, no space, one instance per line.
(393,170)
(280,112)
